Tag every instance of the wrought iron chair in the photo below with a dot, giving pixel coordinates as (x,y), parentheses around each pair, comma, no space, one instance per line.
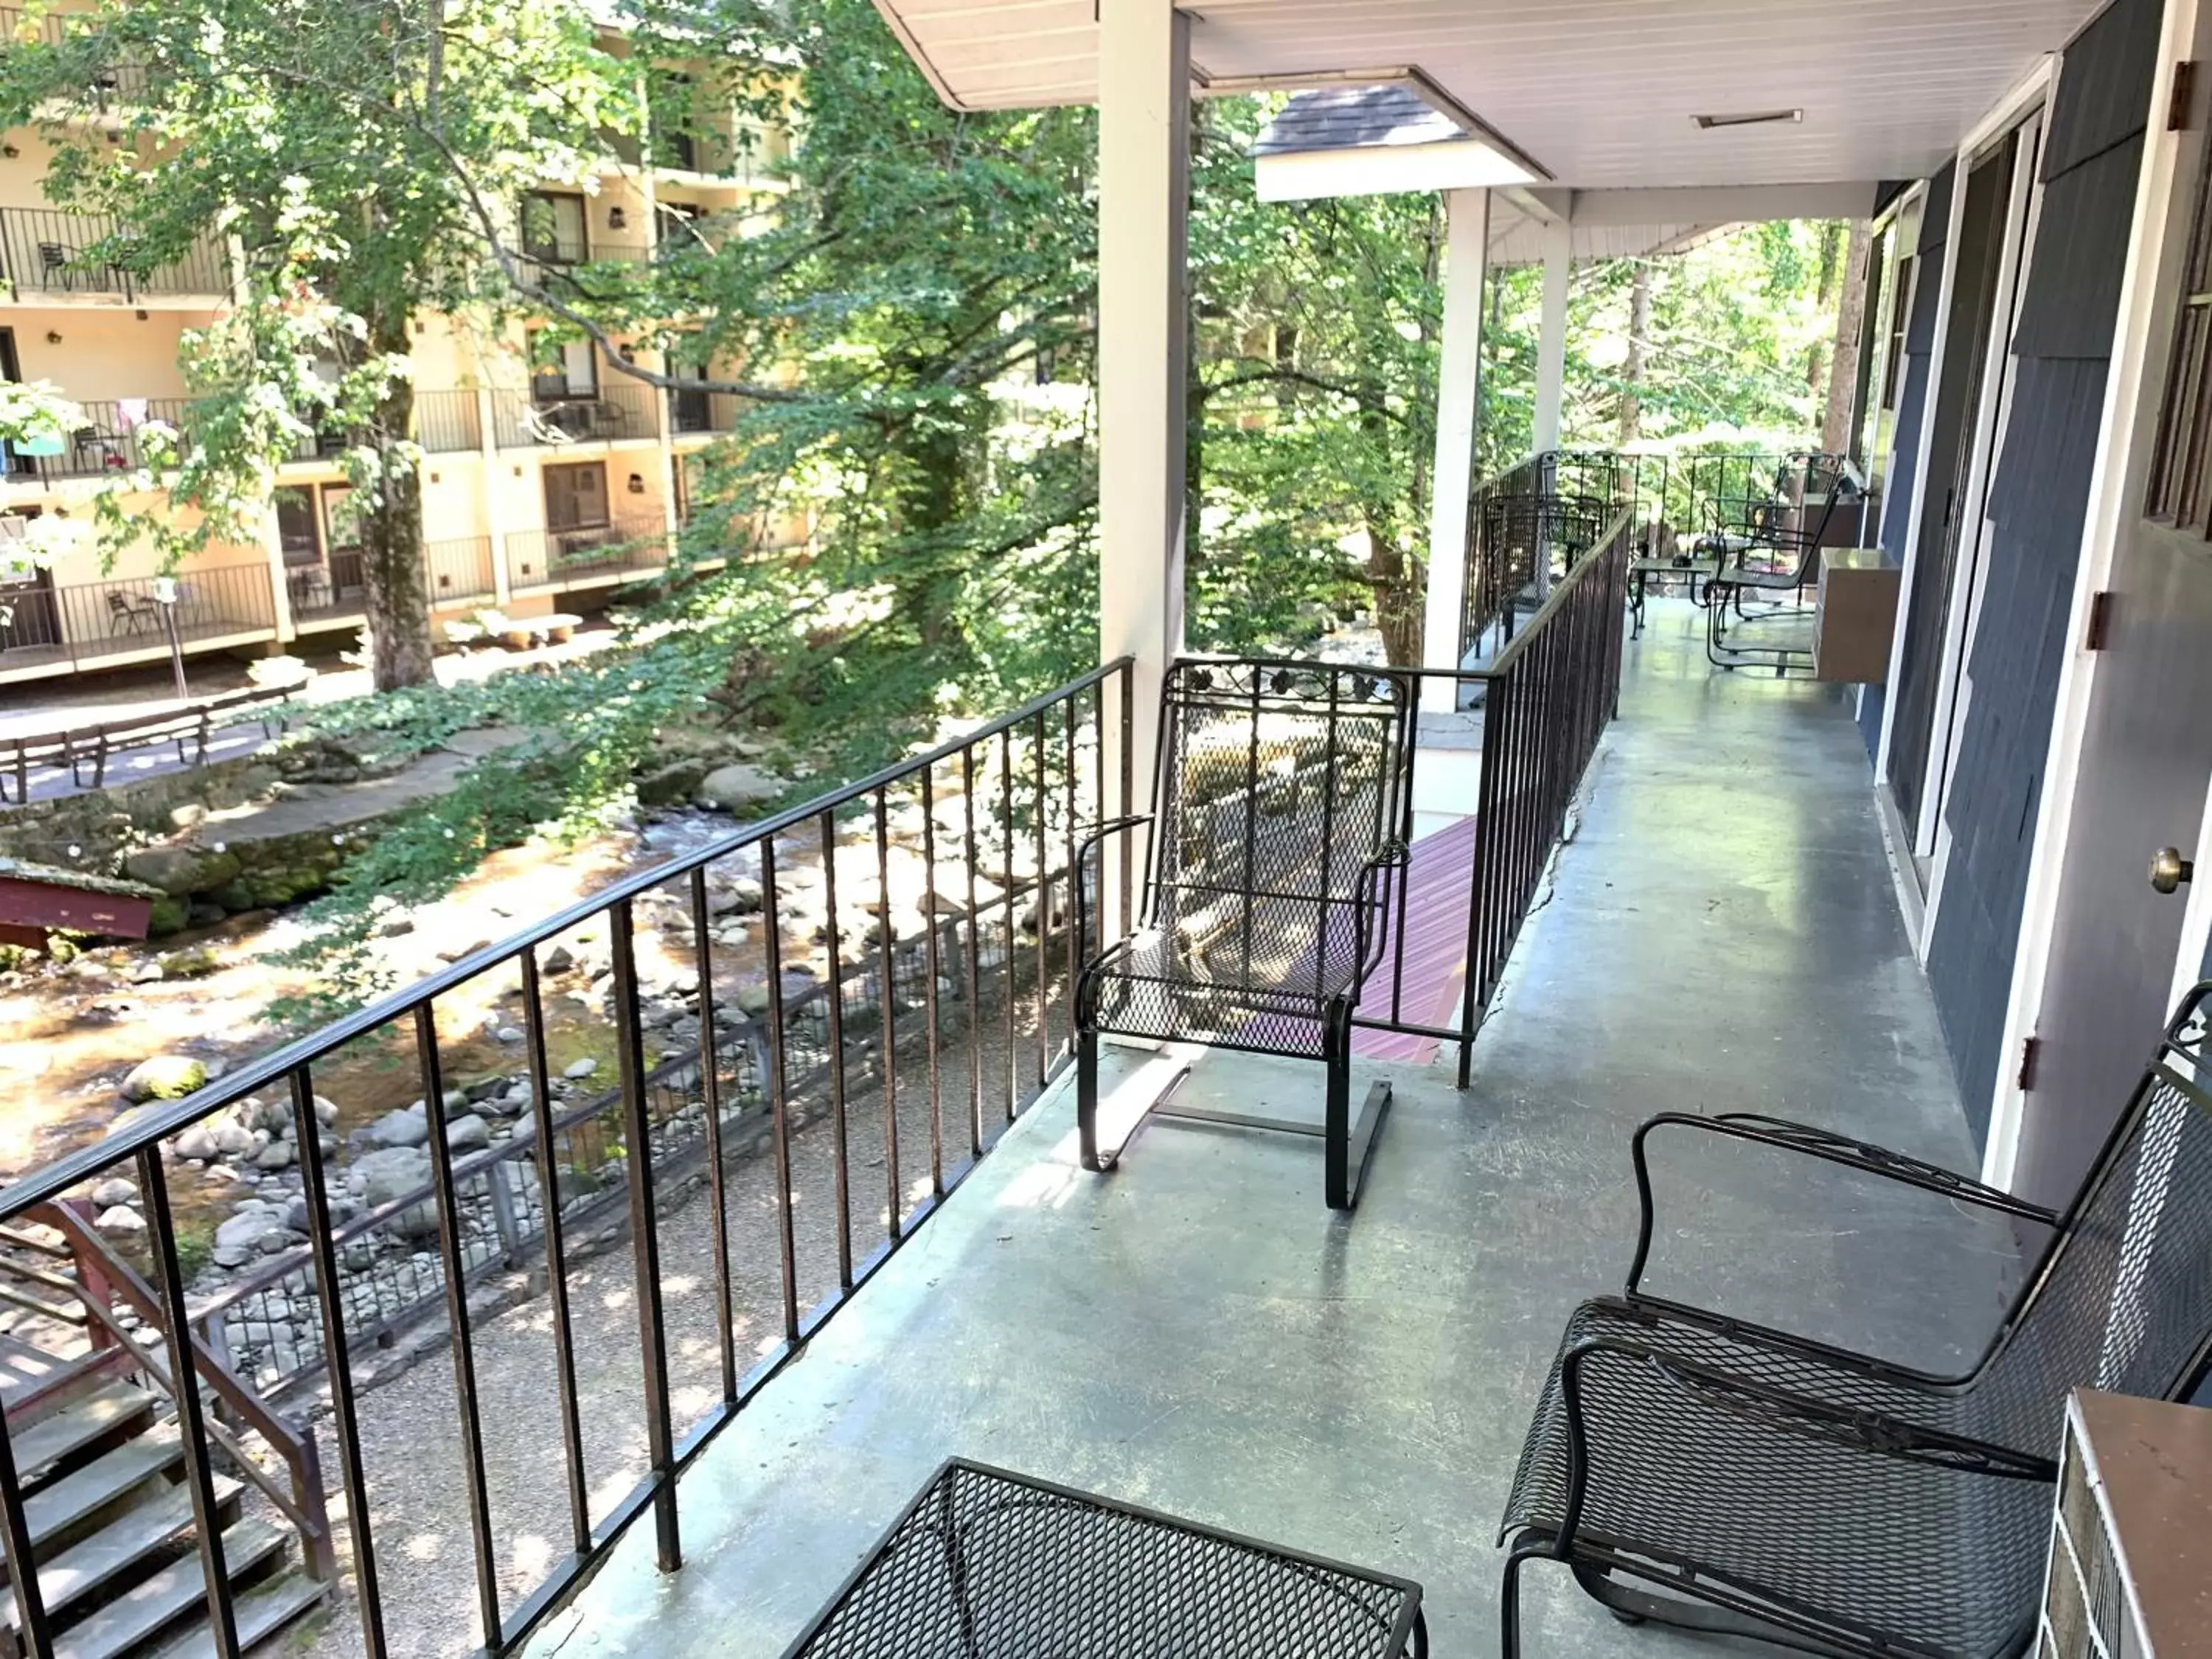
(1841,1504)
(1774,552)
(1281,805)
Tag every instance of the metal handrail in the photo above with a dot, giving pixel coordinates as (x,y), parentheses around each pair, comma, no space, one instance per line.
(154,1125)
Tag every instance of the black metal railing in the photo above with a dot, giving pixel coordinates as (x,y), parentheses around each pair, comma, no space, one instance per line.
(524,420)
(703,411)
(86,622)
(446,421)
(795,1042)
(460,568)
(45,251)
(333,587)
(110,441)
(539,558)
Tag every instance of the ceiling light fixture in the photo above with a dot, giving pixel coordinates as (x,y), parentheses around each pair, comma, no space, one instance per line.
(1748,118)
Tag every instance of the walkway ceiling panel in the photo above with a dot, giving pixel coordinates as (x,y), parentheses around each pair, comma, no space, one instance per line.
(1604,94)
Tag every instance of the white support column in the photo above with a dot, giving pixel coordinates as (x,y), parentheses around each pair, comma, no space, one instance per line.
(1551,341)
(1144,188)
(1459,392)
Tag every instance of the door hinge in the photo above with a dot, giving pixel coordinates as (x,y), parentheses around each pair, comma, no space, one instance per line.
(2031,1050)
(2098,633)
(2184,95)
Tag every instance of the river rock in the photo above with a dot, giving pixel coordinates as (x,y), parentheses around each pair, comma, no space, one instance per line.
(580,1068)
(409,1127)
(392,1173)
(558,960)
(327,1111)
(247,1229)
(163,1077)
(468,1132)
(738,788)
(276,1155)
(119,1218)
(181,870)
(114,1191)
(232,1138)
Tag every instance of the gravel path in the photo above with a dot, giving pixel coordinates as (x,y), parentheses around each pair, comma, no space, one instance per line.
(409,1427)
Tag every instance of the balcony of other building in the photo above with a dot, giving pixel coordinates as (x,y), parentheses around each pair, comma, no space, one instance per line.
(60,257)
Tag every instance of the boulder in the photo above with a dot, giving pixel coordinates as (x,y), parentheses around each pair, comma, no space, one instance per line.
(558,960)
(233,1139)
(247,1229)
(327,1111)
(392,1173)
(468,1134)
(182,871)
(738,788)
(190,964)
(171,913)
(670,785)
(114,1191)
(580,1068)
(163,1077)
(409,1127)
(119,1219)
(195,1145)
(276,1155)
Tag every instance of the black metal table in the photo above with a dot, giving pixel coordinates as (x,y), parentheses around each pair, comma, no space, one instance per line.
(988,1565)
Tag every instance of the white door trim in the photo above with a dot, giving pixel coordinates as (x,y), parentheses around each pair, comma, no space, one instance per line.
(2132,392)
(1923,442)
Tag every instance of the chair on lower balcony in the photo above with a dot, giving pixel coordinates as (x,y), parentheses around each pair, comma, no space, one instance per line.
(1770,554)
(1766,1484)
(1281,805)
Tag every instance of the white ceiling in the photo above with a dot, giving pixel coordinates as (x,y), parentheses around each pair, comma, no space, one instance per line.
(1601,92)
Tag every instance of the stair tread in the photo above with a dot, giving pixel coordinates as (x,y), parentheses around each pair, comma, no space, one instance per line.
(145,1608)
(62,1504)
(40,1445)
(260,1612)
(87,1565)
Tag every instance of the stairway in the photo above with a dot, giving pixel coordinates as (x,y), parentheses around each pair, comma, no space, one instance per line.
(101,1465)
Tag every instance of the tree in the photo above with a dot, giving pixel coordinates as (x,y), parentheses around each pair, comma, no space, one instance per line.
(356,158)
(1851,317)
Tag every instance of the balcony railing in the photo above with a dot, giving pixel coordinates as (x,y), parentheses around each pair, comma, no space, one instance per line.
(460,568)
(703,411)
(86,622)
(331,589)
(45,251)
(524,420)
(941,1020)
(541,558)
(446,422)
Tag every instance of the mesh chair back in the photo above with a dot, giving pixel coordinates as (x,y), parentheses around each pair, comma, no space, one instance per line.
(2122,1300)
(1278,783)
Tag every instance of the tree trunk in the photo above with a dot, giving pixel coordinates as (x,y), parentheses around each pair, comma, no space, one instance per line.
(1631,372)
(1850,322)
(395,586)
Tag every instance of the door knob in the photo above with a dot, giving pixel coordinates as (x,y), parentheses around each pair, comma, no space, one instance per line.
(2169,870)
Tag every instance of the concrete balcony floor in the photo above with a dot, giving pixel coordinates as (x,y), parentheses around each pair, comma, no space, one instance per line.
(1197,1333)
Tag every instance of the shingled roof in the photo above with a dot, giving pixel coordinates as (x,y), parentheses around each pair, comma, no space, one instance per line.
(1355,117)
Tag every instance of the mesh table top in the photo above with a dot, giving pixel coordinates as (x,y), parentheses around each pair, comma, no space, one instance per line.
(988,1565)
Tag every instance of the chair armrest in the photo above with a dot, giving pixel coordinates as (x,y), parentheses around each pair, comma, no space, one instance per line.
(1366,938)
(1815,1143)
(1756,1416)
(1084,849)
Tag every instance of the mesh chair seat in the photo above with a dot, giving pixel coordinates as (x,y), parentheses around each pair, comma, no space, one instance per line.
(1163,987)
(1783,1483)
(1807,1513)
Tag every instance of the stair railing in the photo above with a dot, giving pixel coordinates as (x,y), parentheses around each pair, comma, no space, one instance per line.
(103,1276)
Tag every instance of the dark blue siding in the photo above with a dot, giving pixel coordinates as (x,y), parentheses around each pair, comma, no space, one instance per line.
(2062,344)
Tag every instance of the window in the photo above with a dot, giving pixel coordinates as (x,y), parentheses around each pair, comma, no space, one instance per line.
(576,497)
(553,227)
(2178,483)
(559,372)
